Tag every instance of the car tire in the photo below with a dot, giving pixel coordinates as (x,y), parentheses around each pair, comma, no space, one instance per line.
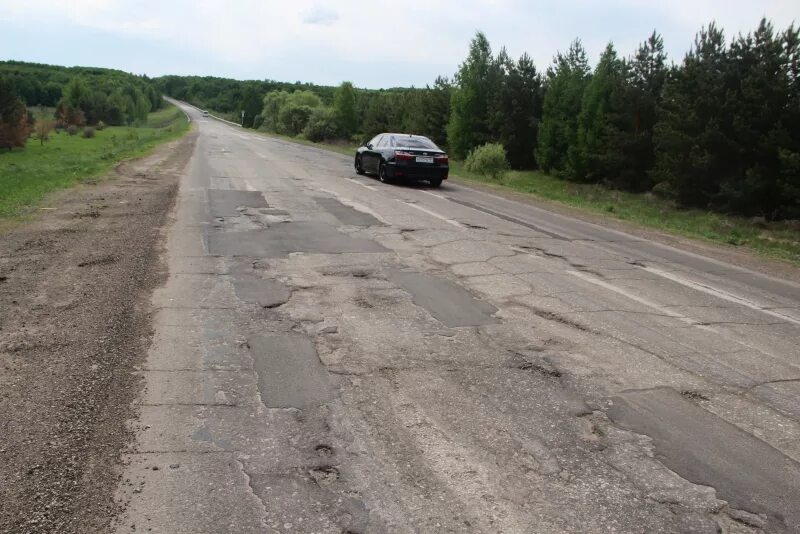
(359,167)
(382,176)
(435,182)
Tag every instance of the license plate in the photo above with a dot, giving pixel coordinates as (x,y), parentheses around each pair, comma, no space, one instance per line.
(424,159)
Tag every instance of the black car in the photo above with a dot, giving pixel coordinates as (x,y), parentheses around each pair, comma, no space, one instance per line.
(394,156)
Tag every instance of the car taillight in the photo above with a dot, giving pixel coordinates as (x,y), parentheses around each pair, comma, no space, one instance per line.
(403,156)
(441,160)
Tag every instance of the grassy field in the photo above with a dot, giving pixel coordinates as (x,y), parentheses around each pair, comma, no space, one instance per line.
(28,174)
(773,240)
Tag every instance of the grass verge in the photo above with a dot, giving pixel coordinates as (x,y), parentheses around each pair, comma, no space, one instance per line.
(28,174)
(773,240)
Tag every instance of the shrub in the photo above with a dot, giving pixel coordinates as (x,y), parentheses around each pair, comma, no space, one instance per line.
(293,118)
(321,125)
(72,129)
(488,160)
(100,126)
(88,132)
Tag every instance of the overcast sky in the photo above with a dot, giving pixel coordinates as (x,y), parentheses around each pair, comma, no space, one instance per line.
(376,43)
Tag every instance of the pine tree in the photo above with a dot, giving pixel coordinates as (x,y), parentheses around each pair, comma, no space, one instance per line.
(633,117)
(469,111)
(566,80)
(789,152)
(517,111)
(759,96)
(693,147)
(728,134)
(593,157)
(14,127)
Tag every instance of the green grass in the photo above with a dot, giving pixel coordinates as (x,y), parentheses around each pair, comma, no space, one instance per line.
(773,240)
(28,174)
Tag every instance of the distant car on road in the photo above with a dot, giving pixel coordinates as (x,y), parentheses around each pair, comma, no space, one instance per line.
(205,114)
(393,156)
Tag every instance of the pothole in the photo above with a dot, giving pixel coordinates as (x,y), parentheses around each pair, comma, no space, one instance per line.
(695,395)
(535,367)
(535,364)
(324,474)
(362,302)
(324,451)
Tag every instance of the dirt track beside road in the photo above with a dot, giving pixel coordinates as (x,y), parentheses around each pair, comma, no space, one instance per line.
(74,325)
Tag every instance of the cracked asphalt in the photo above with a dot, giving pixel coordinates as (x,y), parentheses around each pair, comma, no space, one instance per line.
(332,354)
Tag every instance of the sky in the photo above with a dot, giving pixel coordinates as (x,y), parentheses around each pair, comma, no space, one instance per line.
(375,43)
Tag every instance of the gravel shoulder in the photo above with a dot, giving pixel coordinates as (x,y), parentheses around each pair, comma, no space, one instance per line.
(75,285)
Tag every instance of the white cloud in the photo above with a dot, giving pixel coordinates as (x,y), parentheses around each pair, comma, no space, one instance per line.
(320,15)
(380,42)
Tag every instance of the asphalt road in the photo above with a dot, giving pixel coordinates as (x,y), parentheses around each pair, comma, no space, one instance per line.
(333,354)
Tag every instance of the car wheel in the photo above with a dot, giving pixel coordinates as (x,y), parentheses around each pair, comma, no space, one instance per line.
(359,168)
(435,182)
(382,176)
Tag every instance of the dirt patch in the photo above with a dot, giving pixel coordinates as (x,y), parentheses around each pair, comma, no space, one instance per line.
(74,326)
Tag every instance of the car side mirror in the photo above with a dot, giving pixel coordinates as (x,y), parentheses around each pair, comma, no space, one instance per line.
(369,146)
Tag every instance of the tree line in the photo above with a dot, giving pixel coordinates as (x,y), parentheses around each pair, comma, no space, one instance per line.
(355,114)
(720,130)
(79,96)
(224,95)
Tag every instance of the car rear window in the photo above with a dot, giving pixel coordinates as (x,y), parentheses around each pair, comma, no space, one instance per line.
(413,142)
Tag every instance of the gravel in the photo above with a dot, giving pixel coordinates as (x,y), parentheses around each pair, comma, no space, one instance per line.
(74,326)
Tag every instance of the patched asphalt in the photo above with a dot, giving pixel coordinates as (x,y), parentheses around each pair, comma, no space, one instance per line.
(350,356)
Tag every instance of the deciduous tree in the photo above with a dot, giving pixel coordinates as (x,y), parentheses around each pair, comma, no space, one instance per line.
(344,106)
(43,126)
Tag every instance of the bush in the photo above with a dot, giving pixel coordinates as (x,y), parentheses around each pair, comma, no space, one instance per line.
(72,129)
(88,132)
(100,126)
(321,125)
(488,160)
(293,119)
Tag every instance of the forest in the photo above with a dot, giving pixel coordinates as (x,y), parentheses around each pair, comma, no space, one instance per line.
(719,129)
(73,96)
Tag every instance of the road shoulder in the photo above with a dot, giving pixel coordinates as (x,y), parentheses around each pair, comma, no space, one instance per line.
(74,327)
